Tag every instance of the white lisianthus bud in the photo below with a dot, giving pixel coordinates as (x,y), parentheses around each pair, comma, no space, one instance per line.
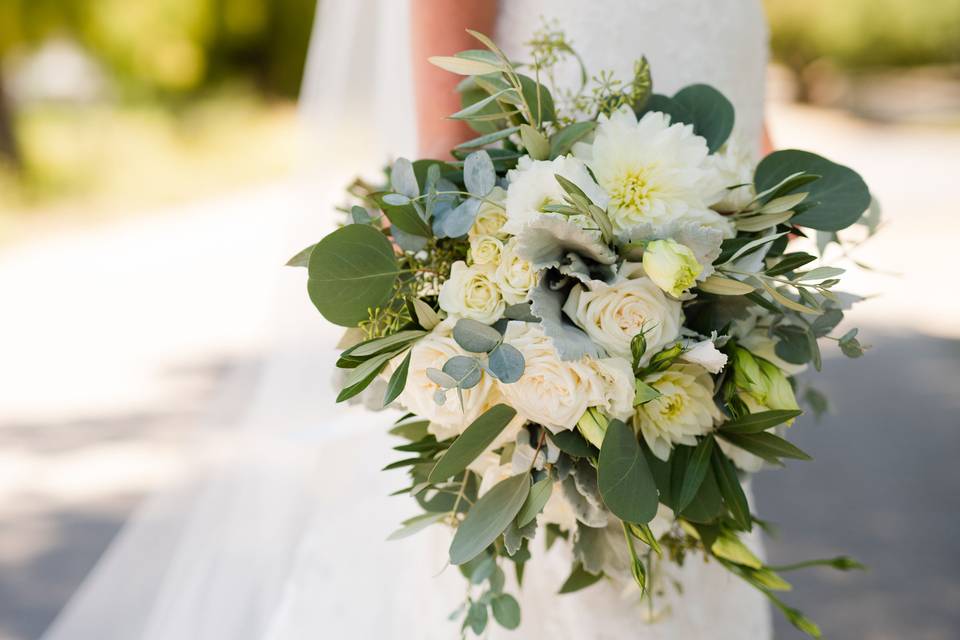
(671,265)
(613,314)
(471,292)
(485,250)
(763,382)
(684,410)
(491,216)
(706,354)
(515,276)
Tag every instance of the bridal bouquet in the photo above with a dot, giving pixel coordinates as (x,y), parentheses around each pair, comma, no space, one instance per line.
(594,318)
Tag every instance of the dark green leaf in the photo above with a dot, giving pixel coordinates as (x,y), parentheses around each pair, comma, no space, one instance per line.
(696,471)
(678,113)
(712,113)
(489,517)
(827,322)
(563,140)
(473,441)
(539,494)
(579,579)
(398,380)
(789,262)
(360,377)
(729,485)
(572,443)
(352,271)
(761,421)
(624,479)
(837,199)
(506,611)
(539,99)
(766,445)
(379,345)
(793,345)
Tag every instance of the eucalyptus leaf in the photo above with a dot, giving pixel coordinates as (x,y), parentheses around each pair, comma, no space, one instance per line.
(572,443)
(352,271)
(563,140)
(534,142)
(479,175)
(489,517)
(468,63)
(837,199)
(506,363)
(472,442)
(302,259)
(456,222)
(465,370)
(506,611)
(489,138)
(403,180)
(712,114)
(416,524)
(578,579)
(626,485)
(476,337)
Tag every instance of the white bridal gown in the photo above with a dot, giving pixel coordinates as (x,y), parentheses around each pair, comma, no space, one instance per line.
(281,536)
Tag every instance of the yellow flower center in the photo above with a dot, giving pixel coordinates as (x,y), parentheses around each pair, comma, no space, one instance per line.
(671,406)
(632,190)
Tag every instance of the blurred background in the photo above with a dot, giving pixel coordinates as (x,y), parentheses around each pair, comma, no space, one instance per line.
(139,237)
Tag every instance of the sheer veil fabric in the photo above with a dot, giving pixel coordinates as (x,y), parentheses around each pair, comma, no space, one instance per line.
(280,533)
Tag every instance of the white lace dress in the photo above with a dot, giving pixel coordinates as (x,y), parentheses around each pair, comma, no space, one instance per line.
(287,540)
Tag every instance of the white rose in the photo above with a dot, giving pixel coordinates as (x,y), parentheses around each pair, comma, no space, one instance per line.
(485,250)
(515,276)
(611,388)
(447,419)
(671,265)
(533,185)
(685,409)
(734,164)
(491,215)
(613,314)
(550,391)
(471,292)
(706,354)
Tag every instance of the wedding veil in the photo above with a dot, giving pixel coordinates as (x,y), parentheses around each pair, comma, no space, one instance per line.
(211,558)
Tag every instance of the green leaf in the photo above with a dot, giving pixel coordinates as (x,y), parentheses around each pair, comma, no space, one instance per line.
(766,445)
(837,199)
(506,363)
(572,443)
(352,271)
(479,176)
(363,374)
(644,393)
(729,547)
(696,471)
(476,617)
(302,258)
(465,371)
(788,262)
(730,489)
(827,322)
(534,142)
(678,113)
(398,380)
(506,611)
(712,113)
(403,179)
(379,345)
(563,140)
(489,138)
(469,63)
(539,494)
(489,517)
(724,286)
(476,337)
(626,486)
(579,579)
(472,442)
(793,345)
(760,421)
(539,100)
(424,314)
(416,524)
(404,217)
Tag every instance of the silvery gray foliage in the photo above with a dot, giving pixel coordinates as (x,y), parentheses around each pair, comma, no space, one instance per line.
(547,301)
(403,179)
(523,453)
(513,537)
(545,241)
(466,371)
(455,222)
(586,270)
(476,337)
(479,175)
(407,241)
(585,510)
(589,547)
(506,363)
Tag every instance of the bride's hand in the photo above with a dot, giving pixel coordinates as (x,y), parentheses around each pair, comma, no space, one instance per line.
(438,28)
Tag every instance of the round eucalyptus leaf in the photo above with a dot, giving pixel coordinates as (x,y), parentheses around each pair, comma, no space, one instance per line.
(479,176)
(443,380)
(506,363)
(455,222)
(475,337)
(351,271)
(396,199)
(711,112)
(403,180)
(465,370)
(506,611)
(835,201)
(678,113)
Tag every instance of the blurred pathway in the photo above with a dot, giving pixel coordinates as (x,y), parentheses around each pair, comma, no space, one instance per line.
(114,340)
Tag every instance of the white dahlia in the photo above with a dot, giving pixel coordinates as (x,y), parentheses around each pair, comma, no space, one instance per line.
(653,171)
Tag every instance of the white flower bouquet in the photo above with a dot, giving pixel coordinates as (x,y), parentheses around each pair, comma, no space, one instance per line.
(594,318)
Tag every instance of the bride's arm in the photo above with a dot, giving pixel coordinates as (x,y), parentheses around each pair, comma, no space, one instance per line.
(438,29)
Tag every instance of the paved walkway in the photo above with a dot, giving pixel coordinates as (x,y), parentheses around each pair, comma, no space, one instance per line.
(115,339)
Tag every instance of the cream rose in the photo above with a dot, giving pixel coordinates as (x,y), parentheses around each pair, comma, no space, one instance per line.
(515,276)
(491,216)
(612,314)
(471,292)
(684,410)
(485,250)
(447,419)
(550,391)
(611,388)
